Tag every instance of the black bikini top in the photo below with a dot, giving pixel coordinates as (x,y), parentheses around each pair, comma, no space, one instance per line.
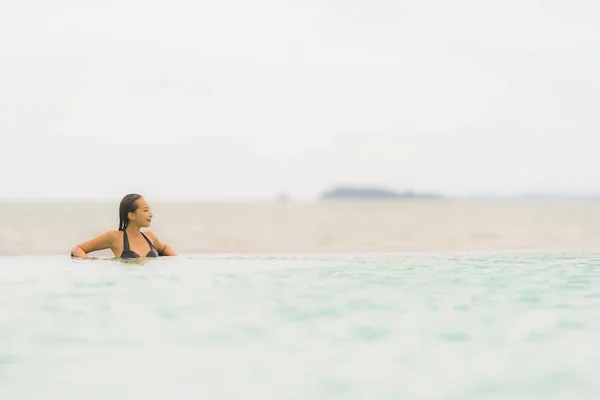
(128,253)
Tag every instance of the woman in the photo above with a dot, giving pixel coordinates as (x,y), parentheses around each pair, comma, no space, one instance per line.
(128,241)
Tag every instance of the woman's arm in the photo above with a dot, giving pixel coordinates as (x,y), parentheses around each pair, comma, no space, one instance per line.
(101,242)
(162,248)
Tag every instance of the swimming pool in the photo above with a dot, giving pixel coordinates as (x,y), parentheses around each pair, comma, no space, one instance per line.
(388,326)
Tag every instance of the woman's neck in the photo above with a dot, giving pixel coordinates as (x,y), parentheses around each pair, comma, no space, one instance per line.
(132,229)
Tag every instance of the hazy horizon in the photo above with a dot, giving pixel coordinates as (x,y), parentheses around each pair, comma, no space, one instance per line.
(276,198)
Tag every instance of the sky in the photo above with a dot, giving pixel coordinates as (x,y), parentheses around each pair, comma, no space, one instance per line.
(238,100)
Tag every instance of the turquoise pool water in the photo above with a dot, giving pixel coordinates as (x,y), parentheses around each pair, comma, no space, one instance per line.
(420,326)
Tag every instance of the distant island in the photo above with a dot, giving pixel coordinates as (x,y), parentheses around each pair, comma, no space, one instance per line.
(345,192)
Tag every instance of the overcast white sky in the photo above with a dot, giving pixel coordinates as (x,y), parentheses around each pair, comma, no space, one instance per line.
(237,99)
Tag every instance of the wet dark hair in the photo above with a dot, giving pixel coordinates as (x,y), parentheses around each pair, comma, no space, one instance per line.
(128,204)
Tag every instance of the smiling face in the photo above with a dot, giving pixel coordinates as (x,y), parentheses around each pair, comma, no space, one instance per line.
(142,215)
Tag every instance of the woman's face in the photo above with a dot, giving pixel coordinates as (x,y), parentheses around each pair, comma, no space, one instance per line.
(142,215)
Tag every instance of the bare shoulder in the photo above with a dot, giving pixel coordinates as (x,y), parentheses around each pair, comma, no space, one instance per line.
(114,234)
(151,236)
(103,241)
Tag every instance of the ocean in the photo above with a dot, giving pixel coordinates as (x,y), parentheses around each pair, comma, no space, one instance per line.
(320,227)
(392,300)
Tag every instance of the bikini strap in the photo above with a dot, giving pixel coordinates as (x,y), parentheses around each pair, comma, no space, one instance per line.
(125,241)
(148,240)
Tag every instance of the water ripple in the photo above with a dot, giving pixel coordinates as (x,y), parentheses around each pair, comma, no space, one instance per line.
(519,326)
